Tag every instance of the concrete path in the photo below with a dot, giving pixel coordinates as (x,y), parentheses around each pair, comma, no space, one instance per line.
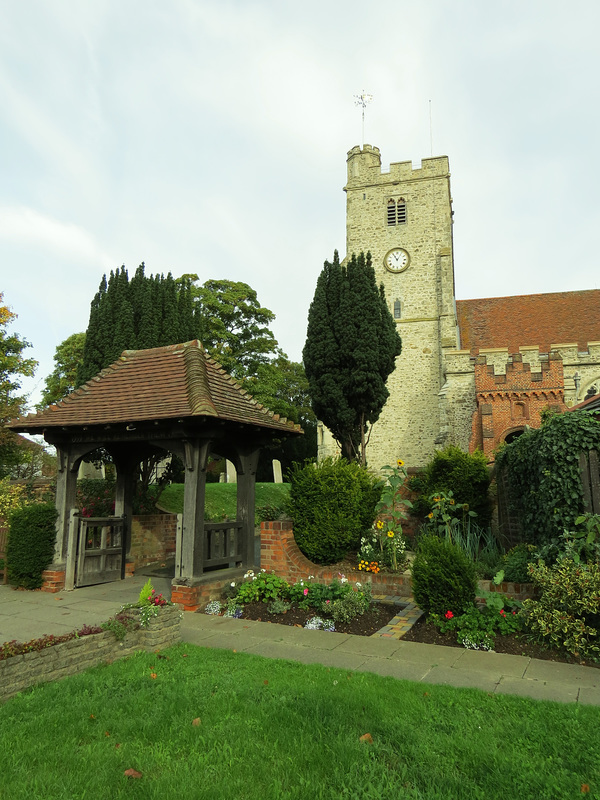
(427,663)
(29,615)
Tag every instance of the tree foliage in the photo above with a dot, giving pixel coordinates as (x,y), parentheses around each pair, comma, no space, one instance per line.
(144,312)
(232,325)
(13,366)
(63,379)
(351,347)
(543,473)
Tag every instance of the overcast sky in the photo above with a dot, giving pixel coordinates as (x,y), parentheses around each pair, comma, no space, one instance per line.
(210,136)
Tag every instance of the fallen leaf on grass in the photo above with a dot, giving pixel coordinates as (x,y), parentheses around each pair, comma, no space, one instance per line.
(266,683)
(106,733)
(366,737)
(184,655)
(196,722)
(585,787)
(118,744)
(153,675)
(132,773)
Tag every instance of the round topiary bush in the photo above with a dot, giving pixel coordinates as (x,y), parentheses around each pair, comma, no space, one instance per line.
(443,577)
(332,504)
(31,544)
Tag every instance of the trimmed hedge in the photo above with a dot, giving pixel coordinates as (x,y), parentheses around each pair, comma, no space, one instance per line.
(443,577)
(332,504)
(31,544)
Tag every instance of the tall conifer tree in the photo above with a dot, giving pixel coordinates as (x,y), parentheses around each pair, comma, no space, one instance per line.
(351,347)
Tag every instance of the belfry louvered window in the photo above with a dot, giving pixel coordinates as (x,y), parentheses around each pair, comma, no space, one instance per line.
(396,212)
(397,309)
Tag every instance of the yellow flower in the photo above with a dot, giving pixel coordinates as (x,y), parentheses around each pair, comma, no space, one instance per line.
(400,462)
(390,534)
(437,499)
(451,502)
(430,516)
(379,524)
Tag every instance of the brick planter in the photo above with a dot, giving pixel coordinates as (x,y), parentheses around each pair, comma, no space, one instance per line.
(69,658)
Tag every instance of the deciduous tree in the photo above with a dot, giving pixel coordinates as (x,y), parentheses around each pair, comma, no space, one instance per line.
(63,379)
(13,366)
(351,347)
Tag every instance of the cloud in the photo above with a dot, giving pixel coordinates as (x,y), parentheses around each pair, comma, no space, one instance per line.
(28,227)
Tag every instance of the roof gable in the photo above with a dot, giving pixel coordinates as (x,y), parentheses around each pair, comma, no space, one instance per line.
(173,382)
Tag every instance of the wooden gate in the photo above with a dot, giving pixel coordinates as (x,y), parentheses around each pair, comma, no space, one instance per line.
(100,550)
(590,481)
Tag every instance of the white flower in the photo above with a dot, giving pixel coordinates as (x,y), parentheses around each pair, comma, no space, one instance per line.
(263,570)
(358,585)
(310,578)
(254,577)
(232,584)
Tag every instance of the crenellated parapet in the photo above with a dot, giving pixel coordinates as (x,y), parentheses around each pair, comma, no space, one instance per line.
(364,168)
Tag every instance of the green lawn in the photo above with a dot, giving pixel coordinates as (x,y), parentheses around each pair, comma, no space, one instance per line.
(274,729)
(221,500)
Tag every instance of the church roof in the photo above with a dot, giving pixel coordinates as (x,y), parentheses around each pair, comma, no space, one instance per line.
(174,382)
(536,320)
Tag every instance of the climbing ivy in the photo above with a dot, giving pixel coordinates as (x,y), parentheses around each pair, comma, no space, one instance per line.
(543,472)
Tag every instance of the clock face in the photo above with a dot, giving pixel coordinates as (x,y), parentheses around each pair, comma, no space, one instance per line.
(397,260)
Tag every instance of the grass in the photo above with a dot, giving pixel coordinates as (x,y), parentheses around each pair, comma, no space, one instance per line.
(221,500)
(274,729)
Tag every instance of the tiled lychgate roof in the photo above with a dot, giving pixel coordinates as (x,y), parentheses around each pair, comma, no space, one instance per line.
(175,382)
(535,320)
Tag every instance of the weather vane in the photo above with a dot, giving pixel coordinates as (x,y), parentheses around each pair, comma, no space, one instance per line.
(362,100)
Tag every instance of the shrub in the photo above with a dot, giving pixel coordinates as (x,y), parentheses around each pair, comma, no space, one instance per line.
(332,504)
(515,563)
(352,604)
(31,544)
(543,473)
(567,614)
(443,577)
(465,475)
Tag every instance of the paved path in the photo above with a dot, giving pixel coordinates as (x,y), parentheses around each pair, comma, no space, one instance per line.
(492,672)
(28,615)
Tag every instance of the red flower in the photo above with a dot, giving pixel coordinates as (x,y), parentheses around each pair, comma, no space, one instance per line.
(448,614)
(503,612)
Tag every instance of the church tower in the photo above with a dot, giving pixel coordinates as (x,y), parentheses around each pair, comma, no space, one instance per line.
(404,218)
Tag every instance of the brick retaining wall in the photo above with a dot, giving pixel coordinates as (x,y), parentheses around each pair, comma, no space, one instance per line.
(69,658)
(279,553)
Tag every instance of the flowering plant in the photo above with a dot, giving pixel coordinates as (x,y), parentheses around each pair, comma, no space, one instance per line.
(385,543)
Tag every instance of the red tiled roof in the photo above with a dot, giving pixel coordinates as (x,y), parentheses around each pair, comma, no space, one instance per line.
(174,382)
(534,319)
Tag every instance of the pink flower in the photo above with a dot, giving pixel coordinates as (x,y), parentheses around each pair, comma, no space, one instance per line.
(305,592)
(448,614)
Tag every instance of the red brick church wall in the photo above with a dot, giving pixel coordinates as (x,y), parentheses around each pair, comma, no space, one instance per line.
(510,401)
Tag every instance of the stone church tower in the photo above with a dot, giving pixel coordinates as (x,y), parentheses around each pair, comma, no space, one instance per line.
(472,373)
(404,217)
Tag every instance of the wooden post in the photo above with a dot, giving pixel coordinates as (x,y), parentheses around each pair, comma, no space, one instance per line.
(72,549)
(246,501)
(66,498)
(192,537)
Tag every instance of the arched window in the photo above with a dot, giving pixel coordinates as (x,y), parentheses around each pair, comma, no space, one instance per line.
(391,212)
(396,211)
(401,211)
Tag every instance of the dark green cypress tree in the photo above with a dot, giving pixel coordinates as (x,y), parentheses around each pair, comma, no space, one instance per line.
(351,347)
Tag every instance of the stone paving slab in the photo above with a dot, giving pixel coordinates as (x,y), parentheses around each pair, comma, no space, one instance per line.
(496,663)
(432,655)
(401,670)
(472,679)
(539,690)
(576,674)
(370,645)
(589,696)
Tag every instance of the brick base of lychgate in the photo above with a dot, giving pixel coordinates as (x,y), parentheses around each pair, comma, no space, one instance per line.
(69,658)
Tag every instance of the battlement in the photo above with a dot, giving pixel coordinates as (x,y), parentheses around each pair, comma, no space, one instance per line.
(364,168)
